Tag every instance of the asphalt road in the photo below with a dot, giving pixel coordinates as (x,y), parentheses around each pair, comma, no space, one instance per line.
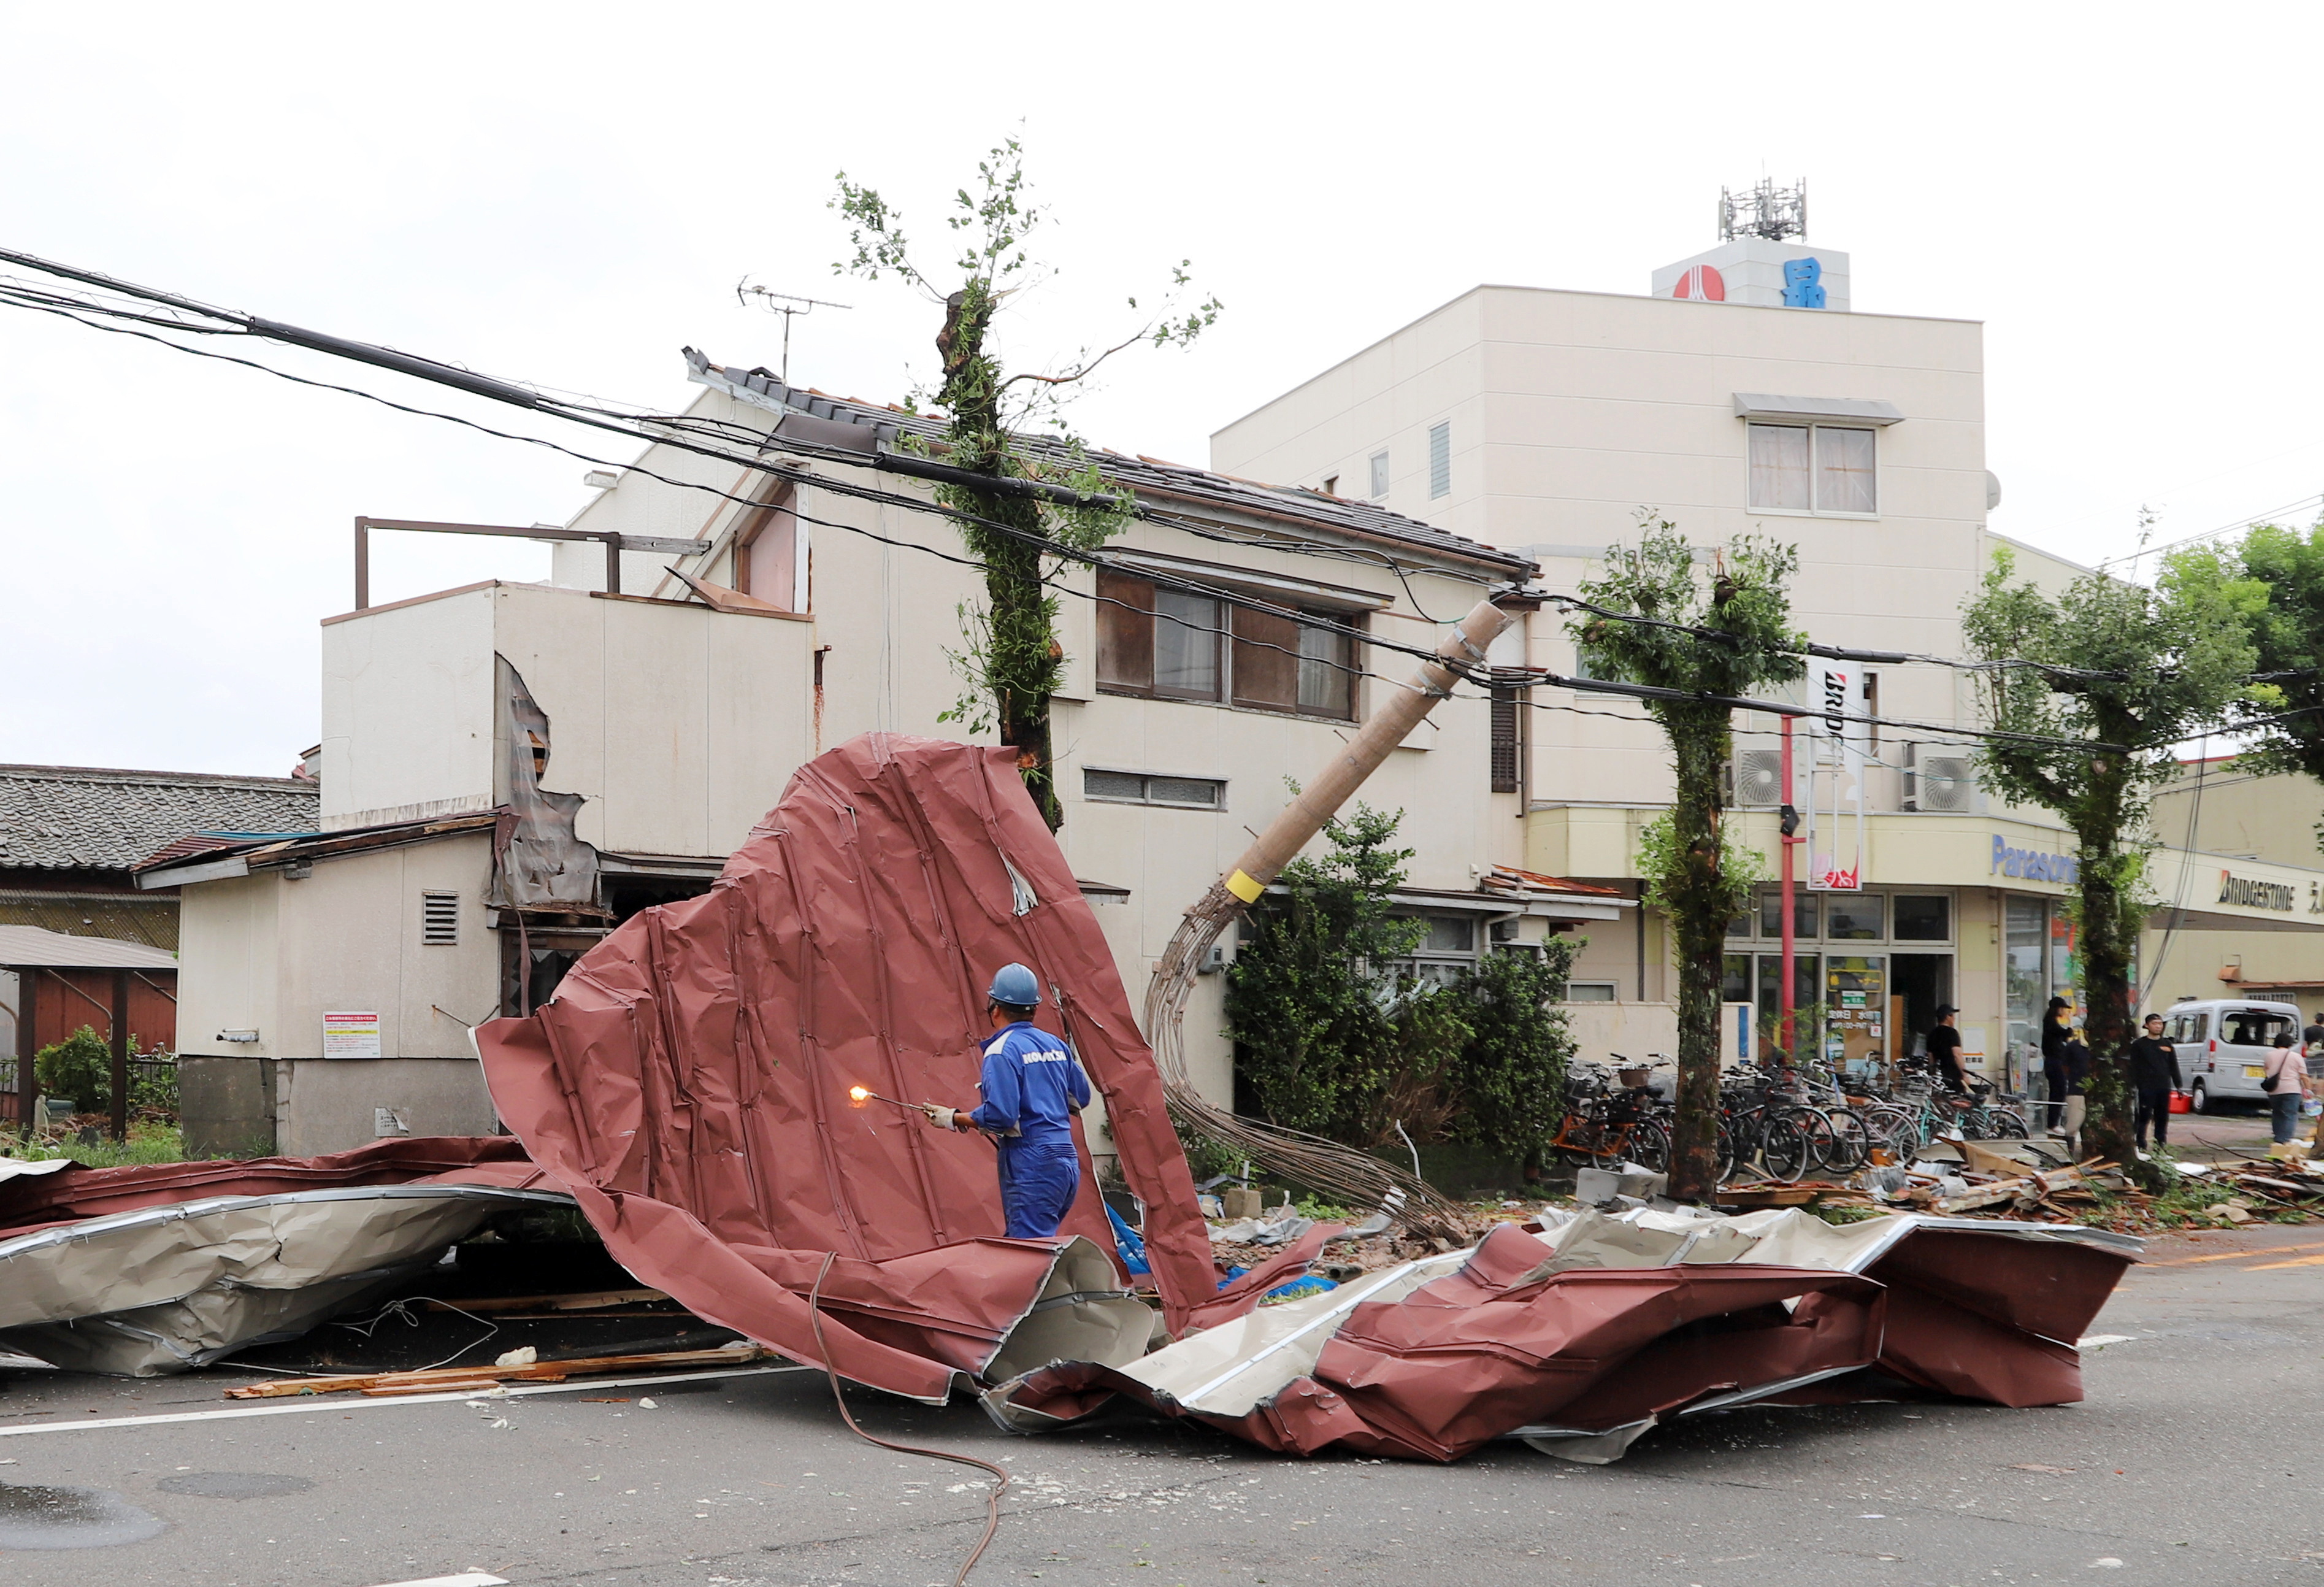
(2194,1460)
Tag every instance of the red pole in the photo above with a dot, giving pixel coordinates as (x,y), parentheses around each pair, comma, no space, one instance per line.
(1787,993)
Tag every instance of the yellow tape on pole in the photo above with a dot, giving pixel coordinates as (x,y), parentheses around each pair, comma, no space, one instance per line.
(1244,886)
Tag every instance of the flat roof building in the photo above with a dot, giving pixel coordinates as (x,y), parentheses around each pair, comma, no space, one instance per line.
(1554,423)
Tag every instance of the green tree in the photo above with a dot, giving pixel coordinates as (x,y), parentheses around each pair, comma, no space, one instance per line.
(2107,676)
(1011,658)
(2286,713)
(1510,1078)
(1336,1041)
(80,1066)
(1317,1035)
(1663,619)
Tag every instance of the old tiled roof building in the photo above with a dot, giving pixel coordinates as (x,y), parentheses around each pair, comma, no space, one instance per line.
(71,834)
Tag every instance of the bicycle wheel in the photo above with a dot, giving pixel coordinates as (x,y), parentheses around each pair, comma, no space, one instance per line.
(1784,1148)
(1816,1125)
(1893,1129)
(1850,1143)
(1649,1145)
(2003,1124)
(1726,1152)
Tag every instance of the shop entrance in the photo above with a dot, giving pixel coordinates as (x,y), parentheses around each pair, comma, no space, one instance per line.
(1917,984)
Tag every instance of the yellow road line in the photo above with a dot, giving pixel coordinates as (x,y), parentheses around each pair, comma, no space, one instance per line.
(2294,1262)
(2229,1256)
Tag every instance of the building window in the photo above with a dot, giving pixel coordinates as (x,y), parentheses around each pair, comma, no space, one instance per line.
(1444,955)
(1924,917)
(1331,484)
(1589,991)
(440,918)
(1509,737)
(1139,788)
(1853,916)
(1813,469)
(1166,643)
(1440,460)
(1805,908)
(1380,474)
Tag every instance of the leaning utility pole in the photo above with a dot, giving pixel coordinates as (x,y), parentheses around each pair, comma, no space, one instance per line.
(1309,1159)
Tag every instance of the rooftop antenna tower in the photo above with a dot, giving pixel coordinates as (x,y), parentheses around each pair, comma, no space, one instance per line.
(1763,211)
(785,304)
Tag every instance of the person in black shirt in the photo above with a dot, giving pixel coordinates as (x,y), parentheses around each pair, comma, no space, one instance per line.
(1944,1048)
(2057,1030)
(2154,1065)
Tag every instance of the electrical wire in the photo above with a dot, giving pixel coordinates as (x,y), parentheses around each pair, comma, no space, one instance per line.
(502,391)
(991,1499)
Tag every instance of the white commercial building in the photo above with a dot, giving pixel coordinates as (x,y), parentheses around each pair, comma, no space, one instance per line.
(1551,422)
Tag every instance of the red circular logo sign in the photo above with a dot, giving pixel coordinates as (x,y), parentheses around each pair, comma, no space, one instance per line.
(1703,283)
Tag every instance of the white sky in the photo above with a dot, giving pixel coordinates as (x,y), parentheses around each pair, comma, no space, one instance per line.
(2126,195)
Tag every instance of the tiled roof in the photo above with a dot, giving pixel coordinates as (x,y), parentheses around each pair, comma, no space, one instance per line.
(1149,477)
(93,819)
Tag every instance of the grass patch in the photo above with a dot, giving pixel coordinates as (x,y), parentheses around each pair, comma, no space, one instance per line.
(149,1143)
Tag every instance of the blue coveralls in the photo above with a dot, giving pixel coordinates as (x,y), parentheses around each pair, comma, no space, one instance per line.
(1031,1084)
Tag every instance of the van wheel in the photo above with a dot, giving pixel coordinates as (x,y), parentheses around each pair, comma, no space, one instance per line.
(2198,1098)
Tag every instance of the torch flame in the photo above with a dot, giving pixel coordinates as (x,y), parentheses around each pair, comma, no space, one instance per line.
(858,1093)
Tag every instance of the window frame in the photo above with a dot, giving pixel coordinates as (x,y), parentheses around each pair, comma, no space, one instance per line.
(1814,509)
(1378,477)
(1440,460)
(1145,800)
(1129,619)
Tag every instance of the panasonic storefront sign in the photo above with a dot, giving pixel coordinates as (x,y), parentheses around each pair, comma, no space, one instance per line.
(2032,864)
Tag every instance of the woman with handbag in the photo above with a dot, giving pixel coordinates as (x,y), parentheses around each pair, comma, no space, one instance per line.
(2286,1081)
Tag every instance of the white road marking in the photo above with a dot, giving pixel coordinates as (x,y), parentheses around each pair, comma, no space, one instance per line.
(2099,1341)
(306,1403)
(464,1579)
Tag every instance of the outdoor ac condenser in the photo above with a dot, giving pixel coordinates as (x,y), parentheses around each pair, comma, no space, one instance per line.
(1758,780)
(1940,783)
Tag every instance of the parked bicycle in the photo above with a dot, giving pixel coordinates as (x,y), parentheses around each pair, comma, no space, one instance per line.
(1608,1121)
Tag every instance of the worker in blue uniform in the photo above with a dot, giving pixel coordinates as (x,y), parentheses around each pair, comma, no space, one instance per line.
(1032,1088)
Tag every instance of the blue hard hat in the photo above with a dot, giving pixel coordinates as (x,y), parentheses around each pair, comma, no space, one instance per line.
(1017,986)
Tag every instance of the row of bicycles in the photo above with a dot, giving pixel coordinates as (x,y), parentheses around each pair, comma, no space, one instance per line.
(1787,1124)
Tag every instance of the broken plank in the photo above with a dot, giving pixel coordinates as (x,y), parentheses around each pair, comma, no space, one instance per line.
(437,1378)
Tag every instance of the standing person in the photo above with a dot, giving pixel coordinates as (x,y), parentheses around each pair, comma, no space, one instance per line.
(2056,1031)
(2076,1060)
(2285,1078)
(2312,1040)
(1944,1048)
(2154,1065)
(1032,1088)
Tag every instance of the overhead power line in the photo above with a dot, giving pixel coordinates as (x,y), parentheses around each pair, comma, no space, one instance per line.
(658,432)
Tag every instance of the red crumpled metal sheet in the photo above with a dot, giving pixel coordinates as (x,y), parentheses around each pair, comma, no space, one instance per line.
(1490,1349)
(31,1201)
(689,1083)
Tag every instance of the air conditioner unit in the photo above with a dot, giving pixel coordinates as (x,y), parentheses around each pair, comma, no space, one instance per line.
(1757,776)
(1940,783)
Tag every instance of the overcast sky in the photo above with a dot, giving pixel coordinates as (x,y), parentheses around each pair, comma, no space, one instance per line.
(568,194)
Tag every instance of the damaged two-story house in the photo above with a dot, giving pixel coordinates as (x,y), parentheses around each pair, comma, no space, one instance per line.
(509,771)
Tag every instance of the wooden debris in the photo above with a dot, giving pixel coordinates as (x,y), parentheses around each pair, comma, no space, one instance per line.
(443,1380)
(589,1301)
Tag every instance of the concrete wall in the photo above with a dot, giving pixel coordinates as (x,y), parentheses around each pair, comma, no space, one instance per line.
(268,954)
(678,725)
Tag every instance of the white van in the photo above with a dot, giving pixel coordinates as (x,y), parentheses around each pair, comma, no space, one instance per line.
(2224,1045)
